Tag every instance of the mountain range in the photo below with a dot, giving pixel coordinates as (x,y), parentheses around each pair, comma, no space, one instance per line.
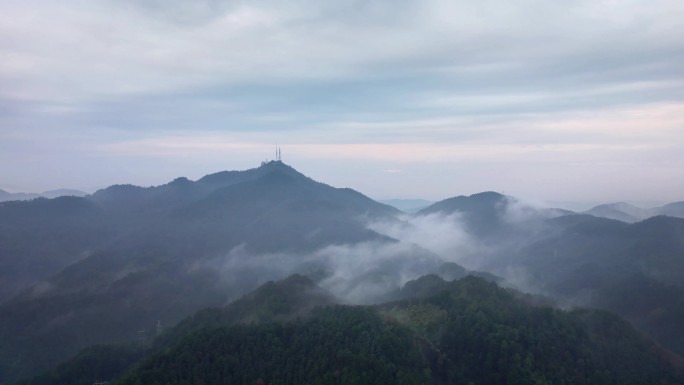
(626,212)
(635,270)
(78,271)
(107,268)
(7,196)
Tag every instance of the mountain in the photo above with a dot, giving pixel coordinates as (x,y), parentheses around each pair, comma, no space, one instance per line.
(275,301)
(483,203)
(286,300)
(109,267)
(490,214)
(63,193)
(219,212)
(7,196)
(626,212)
(483,213)
(675,209)
(466,331)
(621,211)
(126,257)
(596,251)
(634,269)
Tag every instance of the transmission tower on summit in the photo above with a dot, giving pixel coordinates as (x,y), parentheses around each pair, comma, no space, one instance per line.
(278,154)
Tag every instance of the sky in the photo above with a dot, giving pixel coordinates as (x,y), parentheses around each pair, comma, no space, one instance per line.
(548,100)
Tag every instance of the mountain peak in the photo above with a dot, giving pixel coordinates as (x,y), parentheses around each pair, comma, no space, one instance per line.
(462,203)
(225,178)
(277,165)
(488,195)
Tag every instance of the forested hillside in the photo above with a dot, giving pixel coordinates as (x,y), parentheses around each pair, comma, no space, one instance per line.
(466,331)
(633,269)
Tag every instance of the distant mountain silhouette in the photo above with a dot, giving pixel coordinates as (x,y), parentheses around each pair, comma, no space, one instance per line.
(621,211)
(63,193)
(675,209)
(7,196)
(485,202)
(490,214)
(483,213)
(629,213)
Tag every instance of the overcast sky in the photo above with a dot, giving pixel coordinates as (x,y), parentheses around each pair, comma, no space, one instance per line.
(551,100)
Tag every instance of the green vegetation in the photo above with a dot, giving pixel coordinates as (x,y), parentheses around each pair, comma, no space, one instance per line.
(341,345)
(467,331)
(96,363)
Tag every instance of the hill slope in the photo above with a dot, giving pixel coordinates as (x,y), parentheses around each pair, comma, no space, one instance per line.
(635,269)
(467,331)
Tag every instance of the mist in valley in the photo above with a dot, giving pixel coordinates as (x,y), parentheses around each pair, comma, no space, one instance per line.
(128,258)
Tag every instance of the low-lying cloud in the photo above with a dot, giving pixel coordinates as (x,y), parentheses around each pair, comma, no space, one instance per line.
(355,273)
(442,234)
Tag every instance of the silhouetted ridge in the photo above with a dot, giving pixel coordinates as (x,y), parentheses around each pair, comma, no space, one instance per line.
(226,178)
(661,222)
(619,211)
(65,205)
(675,209)
(483,213)
(476,202)
(629,213)
(181,181)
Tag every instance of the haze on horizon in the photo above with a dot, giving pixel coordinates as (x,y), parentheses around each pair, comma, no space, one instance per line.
(572,101)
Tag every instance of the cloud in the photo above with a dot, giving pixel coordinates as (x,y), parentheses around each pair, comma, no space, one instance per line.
(355,273)
(105,48)
(443,82)
(613,131)
(445,235)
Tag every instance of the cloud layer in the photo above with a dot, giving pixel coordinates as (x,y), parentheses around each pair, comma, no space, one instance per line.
(139,91)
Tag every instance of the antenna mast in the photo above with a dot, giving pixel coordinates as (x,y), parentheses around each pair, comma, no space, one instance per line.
(278,154)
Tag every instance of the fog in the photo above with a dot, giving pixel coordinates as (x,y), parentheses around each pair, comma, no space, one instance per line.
(367,272)
(442,234)
(354,273)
